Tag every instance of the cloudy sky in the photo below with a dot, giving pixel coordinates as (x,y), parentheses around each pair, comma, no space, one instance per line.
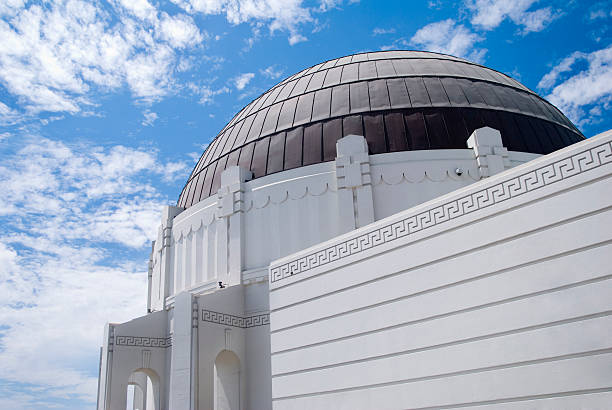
(105,106)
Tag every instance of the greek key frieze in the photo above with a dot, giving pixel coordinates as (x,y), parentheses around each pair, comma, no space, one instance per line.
(513,187)
(143,341)
(235,321)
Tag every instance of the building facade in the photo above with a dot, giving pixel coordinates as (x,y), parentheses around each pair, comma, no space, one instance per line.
(380,231)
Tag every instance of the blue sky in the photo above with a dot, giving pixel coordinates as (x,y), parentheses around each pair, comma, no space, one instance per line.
(106,106)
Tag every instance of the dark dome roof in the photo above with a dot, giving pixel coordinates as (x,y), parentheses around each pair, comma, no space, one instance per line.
(399,100)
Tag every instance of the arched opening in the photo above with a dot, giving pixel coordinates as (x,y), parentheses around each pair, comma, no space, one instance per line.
(143,390)
(227,381)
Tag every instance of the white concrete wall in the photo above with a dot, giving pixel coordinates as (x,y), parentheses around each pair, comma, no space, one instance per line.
(498,294)
(296,209)
(141,344)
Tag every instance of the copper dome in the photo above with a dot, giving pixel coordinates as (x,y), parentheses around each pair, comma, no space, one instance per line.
(399,100)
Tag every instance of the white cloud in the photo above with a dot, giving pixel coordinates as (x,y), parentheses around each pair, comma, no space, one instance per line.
(489,14)
(149,118)
(52,56)
(242,80)
(296,38)
(4,135)
(65,210)
(8,116)
(279,15)
(205,92)
(447,37)
(272,72)
(578,91)
(382,31)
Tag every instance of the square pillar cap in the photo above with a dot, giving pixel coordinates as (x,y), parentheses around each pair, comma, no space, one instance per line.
(485,136)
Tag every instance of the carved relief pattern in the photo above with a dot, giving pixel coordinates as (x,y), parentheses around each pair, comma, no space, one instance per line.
(535,179)
(143,341)
(235,321)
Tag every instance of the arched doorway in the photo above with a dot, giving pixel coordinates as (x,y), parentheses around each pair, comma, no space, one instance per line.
(143,390)
(227,381)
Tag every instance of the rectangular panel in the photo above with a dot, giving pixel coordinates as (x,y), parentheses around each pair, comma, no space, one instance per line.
(329,64)
(332,132)
(276,153)
(472,94)
(352,125)
(359,97)
(454,92)
(418,92)
(375,133)
(436,92)
(312,144)
(359,57)
(510,133)
(416,131)
(274,96)
(456,129)
(529,135)
(379,95)
(269,125)
(293,148)
(285,119)
(486,90)
(246,154)
(340,100)
(304,109)
(396,132)
(301,85)
(260,157)
(316,81)
(255,130)
(322,104)
(384,68)
(349,73)
(367,70)
(436,130)
(344,60)
(287,88)
(403,67)
(333,76)
(398,94)
(244,131)
(202,192)
(210,172)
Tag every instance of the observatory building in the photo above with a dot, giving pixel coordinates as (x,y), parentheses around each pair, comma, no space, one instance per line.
(388,230)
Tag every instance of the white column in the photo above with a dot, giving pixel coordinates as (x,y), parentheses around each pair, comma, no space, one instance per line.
(354,182)
(230,209)
(490,153)
(183,369)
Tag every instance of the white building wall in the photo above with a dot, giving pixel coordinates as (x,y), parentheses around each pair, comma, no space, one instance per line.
(497,294)
(283,213)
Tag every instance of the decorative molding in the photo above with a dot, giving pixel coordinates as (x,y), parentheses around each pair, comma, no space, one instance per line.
(235,321)
(513,187)
(143,341)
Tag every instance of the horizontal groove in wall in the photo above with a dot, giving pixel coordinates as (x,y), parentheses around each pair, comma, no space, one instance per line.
(453,284)
(452,374)
(469,309)
(454,343)
(518,399)
(380,280)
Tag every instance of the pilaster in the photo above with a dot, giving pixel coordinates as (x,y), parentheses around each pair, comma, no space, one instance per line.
(356,208)
(230,209)
(183,369)
(491,155)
